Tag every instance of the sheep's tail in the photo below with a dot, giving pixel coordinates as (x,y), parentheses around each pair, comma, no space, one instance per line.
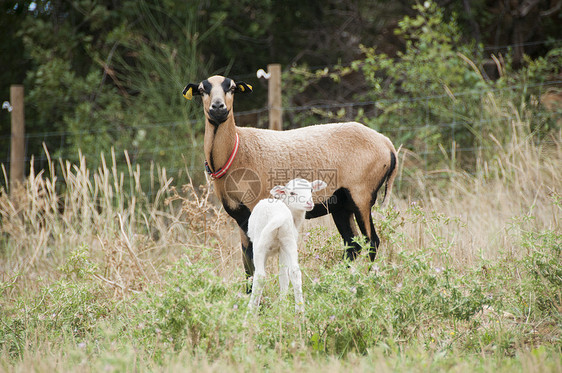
(390,176)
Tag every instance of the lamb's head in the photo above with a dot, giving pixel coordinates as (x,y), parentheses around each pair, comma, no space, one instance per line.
(217,93)
(297,193)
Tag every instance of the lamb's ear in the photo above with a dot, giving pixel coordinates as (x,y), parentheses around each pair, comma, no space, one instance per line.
(318,185)
(278,191)
(243,87)
(190,90)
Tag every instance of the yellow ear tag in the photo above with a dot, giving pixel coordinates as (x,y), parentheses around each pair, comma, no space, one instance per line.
(241,87)
(250,86)
(188,95)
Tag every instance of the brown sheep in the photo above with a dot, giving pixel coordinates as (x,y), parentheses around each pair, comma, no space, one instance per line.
(354,160)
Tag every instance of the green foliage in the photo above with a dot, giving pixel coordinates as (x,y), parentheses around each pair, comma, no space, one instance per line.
(78,264)
(546,281)
(63,309)
(71,307)
(430,62)
(356,312)
(195,310)
(417,91)
(414,93)
(432,96)
(545,68)
(544,266)
(102,74)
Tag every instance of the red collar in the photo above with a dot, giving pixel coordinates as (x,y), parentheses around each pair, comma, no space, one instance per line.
(222,171)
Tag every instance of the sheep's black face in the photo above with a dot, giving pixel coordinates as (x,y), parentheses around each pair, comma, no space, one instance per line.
(217,93)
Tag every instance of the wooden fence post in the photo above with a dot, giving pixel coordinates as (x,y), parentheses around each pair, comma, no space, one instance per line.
(17,149)
(274,97)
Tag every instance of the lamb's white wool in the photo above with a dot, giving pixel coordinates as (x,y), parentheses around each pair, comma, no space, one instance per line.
(273,228)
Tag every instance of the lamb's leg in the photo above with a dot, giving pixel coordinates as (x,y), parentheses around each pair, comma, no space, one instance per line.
(295,275)
(283,272)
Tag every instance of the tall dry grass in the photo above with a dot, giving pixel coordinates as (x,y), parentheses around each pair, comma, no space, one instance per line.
(131,235)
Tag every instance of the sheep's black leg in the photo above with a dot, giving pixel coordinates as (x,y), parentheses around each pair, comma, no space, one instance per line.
(374,240)
(248,258)
(342,220)
(342,206)
(242,214)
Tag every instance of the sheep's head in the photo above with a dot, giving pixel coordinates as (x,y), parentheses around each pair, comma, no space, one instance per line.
(217,93)
(297,193)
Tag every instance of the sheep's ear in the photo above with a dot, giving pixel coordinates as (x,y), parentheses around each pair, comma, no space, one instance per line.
(243,87)
(278,191)
(190,90)
(318,185)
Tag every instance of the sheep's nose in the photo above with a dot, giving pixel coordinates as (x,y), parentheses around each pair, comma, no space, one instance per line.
(218,105)
(218,112)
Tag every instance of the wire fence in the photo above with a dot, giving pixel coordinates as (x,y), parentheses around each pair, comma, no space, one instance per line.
(402,129)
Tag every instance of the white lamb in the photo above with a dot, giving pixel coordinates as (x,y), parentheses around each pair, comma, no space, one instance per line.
(274,227)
